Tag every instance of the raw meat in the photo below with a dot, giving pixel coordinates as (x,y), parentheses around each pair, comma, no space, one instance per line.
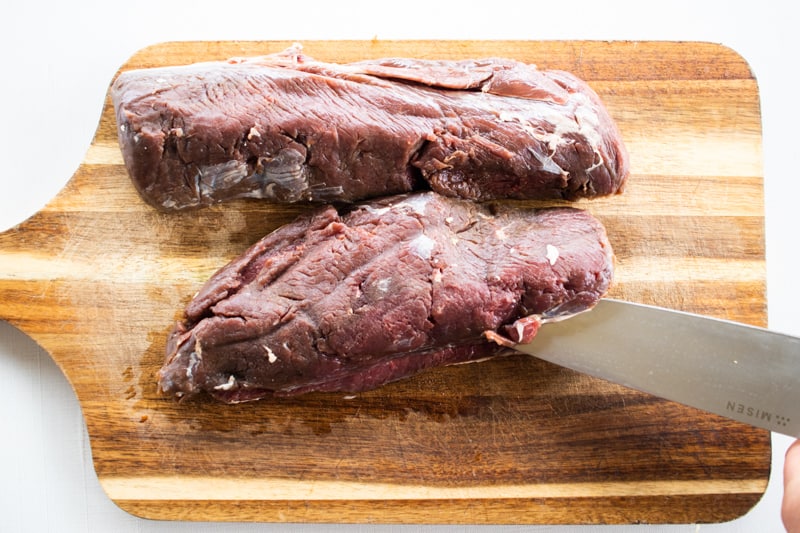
(350,300)
(288,128)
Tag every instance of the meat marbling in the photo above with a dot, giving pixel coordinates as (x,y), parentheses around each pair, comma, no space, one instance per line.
(352,299)
(288,128)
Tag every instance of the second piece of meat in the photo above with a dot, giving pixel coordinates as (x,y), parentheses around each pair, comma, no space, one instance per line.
(288,128)
(351,300)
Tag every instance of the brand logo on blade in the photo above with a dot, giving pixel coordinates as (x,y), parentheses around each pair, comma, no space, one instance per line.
(754,412)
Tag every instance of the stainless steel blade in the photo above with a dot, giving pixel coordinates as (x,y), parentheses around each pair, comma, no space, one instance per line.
(742,372)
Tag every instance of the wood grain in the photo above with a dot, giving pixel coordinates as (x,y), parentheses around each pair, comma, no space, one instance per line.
(97,278)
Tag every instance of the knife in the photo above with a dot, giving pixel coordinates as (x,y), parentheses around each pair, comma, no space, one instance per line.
(745,373)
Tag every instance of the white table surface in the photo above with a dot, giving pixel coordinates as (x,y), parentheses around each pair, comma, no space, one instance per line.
(58,59)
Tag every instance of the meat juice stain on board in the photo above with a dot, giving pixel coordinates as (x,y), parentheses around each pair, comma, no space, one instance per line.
(428,398)
(438,396)
(450,425)
(216,231)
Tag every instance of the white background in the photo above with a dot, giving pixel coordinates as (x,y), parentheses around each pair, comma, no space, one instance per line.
(58,59)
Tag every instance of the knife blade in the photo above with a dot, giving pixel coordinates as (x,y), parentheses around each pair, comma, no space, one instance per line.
(742,372)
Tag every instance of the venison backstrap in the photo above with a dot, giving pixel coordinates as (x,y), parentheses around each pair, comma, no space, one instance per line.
(287,128)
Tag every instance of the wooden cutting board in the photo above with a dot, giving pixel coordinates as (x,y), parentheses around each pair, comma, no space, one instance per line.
(97,278)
